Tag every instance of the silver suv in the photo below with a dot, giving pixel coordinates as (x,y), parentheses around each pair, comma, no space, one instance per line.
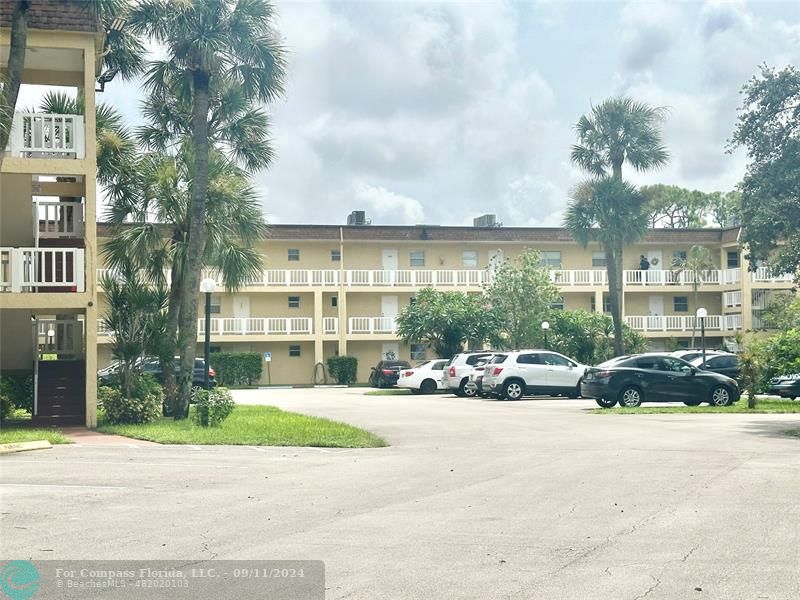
(529,372)
(456,373)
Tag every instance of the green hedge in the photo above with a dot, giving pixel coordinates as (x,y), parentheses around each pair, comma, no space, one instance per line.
(18,389)
(144,405)
(343,368)
(237,368)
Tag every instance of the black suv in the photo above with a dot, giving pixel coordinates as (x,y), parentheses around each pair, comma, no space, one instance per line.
(386,373)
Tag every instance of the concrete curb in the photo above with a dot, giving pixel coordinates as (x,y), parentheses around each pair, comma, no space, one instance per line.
(24,446)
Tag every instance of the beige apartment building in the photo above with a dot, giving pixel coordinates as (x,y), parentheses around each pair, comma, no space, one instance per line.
(48,249)
(328,289)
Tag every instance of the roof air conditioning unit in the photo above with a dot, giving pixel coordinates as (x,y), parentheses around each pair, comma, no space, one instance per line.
(358,217)
(486,221)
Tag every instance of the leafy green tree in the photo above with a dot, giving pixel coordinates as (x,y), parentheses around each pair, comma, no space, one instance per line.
(135,318)
(769,128)
(520,295)
(782,313)
(123,52)
(698,264)
(443,320)
(588,337)
(674,207)
(208,45)
(617,131)
(725,208)
(152,232)
(613,213)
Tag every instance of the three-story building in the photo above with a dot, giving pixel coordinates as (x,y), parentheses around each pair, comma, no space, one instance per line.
(48,248)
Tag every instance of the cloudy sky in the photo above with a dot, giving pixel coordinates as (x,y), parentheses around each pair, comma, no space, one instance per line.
(438,112)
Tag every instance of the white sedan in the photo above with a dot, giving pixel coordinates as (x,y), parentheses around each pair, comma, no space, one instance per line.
(425,378)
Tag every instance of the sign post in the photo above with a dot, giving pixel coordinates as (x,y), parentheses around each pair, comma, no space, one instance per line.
(268,360)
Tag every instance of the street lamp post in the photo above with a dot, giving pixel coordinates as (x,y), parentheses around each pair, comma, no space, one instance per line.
(207,286)
(702,313)
(545,327)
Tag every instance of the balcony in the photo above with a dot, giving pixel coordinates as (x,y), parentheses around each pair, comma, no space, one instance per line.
(257,326)
(37,135)
(683,323)
(656,277)
(591,277)
(765,275)
(330,326)
(57,220)
(42,270)
(732,299)
(372,325)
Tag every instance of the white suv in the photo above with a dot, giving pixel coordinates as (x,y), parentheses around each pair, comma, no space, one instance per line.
(456,373)
(530,372)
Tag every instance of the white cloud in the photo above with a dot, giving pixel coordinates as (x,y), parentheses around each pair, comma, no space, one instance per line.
(387,206)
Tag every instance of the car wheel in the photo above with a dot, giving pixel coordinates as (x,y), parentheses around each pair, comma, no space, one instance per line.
(692,402)
(720,396)
(428,386)
(605,402)
(468,391)
(513,389)
(630,397)
(576,393)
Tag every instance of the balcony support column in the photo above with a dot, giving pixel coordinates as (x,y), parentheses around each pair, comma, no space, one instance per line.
(598,301)
(317,327)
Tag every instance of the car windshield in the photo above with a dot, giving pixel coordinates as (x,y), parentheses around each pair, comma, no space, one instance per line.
(613,361)
(497,359)
(422,363)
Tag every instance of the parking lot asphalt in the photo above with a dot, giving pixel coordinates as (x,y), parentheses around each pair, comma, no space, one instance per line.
(481,499)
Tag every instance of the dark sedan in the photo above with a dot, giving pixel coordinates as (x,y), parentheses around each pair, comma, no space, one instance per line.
(386,373)
(631,380)
(724,364)
(785,386)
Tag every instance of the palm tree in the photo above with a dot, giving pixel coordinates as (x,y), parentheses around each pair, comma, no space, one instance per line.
(615,214)
(618,130)
(152,233)
(123,52)
(698,262)
(207,44)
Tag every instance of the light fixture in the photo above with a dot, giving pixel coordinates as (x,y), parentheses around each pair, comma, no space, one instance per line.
(701,313)
(545,325)
(208,285)
(51,334)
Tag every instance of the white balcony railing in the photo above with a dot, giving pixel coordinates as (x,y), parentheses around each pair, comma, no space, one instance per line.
(257,326)
(57,219)
(731,276)
(330,325)
(37,135)
(732,299)
(60,336)
(664,277)
(765,275)
(579,277)
(372,325)
(733,322)
(30,269)
(678,323)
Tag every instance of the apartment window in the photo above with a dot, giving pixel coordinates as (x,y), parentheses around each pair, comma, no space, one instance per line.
(599,260)
(551,259)
(216,304)
(294,350)
(416,258)
(294,301)
(336,255)
(558,304)
(469,258)
(418,351)
(606,304)
(678,257)
(680,304)
(733,259)
(293,254)
(334,301)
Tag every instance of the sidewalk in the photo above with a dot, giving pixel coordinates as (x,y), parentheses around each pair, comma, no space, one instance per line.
(89,437)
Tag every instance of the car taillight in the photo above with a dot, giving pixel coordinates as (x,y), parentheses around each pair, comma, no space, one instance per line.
(497,370)
(408,373)
(388,372)
(452,371)
(603,374)
(479,368)
(211,372)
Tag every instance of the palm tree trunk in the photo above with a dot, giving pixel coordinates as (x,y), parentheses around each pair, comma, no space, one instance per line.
(168,361)
(614,269)
(190,289)
(16,64)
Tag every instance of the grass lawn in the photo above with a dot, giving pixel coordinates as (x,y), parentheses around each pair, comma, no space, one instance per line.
(12,435)
(389,392)
(253,426)
(762,407)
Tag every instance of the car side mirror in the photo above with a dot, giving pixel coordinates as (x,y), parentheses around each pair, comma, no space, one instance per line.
(693,371)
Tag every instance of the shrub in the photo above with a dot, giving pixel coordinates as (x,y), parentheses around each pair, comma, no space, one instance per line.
(18,389)
(237,368)
(144,405)
(212,406)
(343,368)
(6,406)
